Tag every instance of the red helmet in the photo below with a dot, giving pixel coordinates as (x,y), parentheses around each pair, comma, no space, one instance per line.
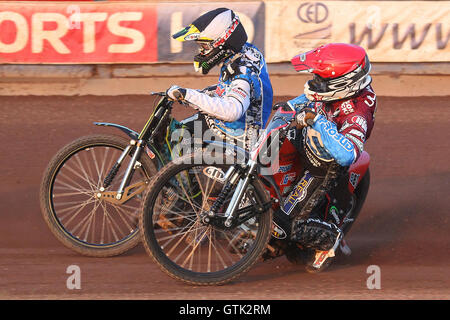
(340,71)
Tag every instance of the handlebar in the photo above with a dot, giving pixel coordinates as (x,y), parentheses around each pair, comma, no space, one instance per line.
(161,94)
(284,106)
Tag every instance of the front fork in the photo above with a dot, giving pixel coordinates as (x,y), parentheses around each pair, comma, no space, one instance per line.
(233,178)
(119,195)
(238,194)
(130,169)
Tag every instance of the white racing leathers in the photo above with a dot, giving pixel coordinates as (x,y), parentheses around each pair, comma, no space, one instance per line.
(241,103)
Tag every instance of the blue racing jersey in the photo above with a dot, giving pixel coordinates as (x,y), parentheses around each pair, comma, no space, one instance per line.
(245,97)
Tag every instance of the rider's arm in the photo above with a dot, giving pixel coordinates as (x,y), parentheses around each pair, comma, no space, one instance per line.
(210,90)
(346,143)
(228,107)
(340,148)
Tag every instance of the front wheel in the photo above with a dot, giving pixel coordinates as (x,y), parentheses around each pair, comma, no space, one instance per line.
(80,215)
(181,243)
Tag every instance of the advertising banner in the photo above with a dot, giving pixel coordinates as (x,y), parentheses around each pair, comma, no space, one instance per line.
(172,17)
(78,32)
(140,32)
(390,31)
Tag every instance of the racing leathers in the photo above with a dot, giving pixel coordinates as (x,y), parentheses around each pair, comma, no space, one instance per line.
(240,104)
(327,148)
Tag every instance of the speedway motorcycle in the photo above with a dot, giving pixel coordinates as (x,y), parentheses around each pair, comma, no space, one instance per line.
(91,191)
(207,222)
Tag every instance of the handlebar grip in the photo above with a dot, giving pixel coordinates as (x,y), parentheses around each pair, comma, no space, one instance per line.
(284,105)
(153,93)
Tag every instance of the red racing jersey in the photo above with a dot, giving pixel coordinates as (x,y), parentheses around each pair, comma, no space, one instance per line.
(354,117)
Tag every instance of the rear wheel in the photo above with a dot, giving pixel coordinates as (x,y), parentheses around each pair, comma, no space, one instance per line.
(360,197)
(185,247)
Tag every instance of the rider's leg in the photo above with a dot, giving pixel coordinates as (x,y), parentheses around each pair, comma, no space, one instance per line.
(308,229)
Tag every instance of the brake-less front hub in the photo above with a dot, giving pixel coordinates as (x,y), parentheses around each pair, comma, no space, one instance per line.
(111,196)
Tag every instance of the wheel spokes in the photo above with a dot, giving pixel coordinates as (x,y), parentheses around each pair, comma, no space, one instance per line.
(76,206)
(182,235)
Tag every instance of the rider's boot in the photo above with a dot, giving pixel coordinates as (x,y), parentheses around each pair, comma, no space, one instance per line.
(321,239)
(321,260)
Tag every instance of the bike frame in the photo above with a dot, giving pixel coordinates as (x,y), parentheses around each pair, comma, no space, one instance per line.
(138,142)
(238,177)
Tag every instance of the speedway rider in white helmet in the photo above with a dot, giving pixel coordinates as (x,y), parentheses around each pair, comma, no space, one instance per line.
(240,103)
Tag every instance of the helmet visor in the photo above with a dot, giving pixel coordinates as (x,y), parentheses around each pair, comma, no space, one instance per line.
(303,62)
(186,34)
(318,84)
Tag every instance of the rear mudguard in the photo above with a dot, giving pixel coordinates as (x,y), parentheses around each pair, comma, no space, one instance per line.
(357,171)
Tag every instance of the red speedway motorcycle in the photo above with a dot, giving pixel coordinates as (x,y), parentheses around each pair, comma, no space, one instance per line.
(206,221)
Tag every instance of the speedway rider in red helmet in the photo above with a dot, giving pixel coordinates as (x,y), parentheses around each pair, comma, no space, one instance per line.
(335,118)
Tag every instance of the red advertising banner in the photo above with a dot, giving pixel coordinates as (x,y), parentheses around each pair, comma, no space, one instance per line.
(67,32)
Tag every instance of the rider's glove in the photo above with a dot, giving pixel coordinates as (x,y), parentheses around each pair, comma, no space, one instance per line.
(305,118)
(283,105)
(176,93)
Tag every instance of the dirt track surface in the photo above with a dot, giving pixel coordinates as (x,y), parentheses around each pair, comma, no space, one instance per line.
(403,228)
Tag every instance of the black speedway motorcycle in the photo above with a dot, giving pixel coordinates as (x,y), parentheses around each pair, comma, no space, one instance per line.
(91,191)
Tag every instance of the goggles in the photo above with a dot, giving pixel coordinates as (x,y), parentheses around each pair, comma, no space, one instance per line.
(204,47)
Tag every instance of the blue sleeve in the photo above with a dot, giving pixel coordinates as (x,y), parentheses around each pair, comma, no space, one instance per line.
(300,102)
(339,147)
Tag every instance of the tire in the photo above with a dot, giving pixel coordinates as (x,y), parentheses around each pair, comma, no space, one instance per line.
(361,193)
(201,239)
(77,218)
